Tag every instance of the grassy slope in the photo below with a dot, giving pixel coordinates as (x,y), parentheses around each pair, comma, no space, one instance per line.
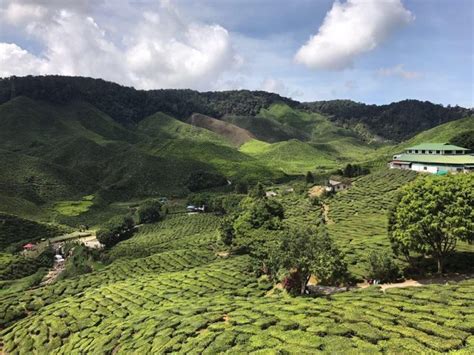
(440,134)
(443,133)
(232,133)
(292,157)
(173,138)
(325,145)
(53,153)
(266,129)
(358,216)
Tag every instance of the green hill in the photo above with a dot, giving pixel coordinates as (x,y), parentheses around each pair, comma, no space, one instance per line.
(442,133)
(51,152)
(291,157)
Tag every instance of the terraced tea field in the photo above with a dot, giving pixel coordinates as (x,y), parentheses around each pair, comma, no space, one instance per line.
(221,308)
(177,231)
(167,290)
(358,216)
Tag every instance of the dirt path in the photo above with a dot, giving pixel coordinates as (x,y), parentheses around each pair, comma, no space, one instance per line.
(326,214)
(90,242)
(53,273)
(421,282)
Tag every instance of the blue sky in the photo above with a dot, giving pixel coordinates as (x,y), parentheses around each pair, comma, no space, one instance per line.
(373,51)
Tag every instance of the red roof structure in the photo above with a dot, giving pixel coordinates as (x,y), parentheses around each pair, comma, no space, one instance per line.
(28,246)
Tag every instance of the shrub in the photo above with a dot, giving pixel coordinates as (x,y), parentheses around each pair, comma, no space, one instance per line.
(149,212)
(201,180)
(382,267)
(115,230)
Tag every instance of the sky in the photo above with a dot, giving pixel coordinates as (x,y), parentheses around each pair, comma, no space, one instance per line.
(372,51)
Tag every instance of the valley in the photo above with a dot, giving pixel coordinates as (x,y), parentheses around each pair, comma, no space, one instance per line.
(85,154)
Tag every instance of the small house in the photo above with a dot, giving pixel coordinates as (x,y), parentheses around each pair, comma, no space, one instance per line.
(336,184)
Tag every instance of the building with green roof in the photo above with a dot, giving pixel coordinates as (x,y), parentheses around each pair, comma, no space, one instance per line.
(435,158)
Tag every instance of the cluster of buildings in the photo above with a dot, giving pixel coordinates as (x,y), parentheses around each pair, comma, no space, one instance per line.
(435,158)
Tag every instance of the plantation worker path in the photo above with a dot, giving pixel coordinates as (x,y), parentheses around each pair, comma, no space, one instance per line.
(440,280)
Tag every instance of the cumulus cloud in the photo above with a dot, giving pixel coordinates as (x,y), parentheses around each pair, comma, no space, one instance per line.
(278,87)
(24,61)
(350,29)
(274,85)
(159,50)
(399,71)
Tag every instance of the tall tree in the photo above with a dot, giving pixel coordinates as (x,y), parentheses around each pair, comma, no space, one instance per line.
(309,251)
(434,213)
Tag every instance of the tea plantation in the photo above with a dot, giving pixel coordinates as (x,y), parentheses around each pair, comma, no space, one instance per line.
(358,216)
(220,307)
(170,288)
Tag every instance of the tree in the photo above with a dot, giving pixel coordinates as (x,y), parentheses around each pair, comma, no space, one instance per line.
(241,188)
(309,178)
(149,212)
(308,251)
(464,139)
(382,267)
(434,213)
(348,171)
(258,191)
(115,230)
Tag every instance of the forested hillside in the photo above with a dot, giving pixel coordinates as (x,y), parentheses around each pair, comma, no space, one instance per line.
(396,121)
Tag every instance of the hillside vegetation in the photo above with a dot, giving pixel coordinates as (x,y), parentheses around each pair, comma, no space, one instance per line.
(396,121)
(167,291)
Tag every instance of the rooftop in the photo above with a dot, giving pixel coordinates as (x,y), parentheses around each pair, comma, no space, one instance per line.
(435,146)
(437,159)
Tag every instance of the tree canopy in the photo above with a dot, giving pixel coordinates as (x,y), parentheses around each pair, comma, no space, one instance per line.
(433,214)
(309,251)
(464,139)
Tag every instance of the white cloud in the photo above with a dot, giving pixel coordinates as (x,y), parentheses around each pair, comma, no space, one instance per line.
(274,85)
(23,61)
(279,87)
(159,50)
(399,71)
(350,29)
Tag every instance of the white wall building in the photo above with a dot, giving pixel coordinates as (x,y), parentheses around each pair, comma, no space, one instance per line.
(434,158)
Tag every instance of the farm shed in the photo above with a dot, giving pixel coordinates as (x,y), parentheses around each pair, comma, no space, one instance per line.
(434,158)
(338,184)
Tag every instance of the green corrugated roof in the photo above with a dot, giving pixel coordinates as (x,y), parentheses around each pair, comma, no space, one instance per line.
(436,146)
(464,159)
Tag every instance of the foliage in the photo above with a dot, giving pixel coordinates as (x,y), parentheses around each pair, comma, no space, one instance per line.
(127,105)
(464,139)
(241,188)
(18,266)
(357,218)
(435,213)
(16,231)
(201,180)
(149,212)
(353,170)
(81,260)
(307,251)
(258,191)
(115,230)
(396,121)
(382,267)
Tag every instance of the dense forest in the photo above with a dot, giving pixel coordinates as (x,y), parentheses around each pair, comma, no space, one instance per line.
(396,121)
(128,105)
